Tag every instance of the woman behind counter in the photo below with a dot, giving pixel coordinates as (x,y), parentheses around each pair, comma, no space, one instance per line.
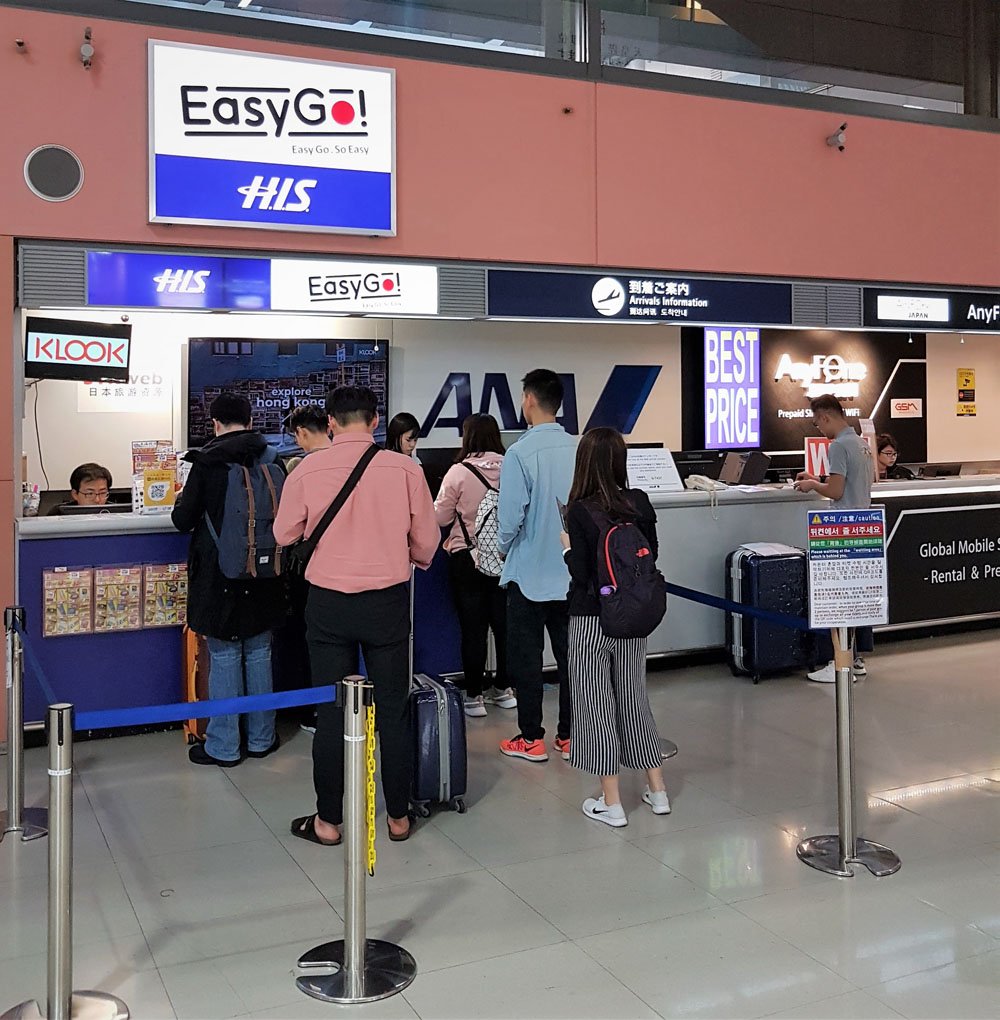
(888,468)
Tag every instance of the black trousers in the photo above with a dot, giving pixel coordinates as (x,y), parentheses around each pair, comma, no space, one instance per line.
(481,604)
(527,622)
(379,622)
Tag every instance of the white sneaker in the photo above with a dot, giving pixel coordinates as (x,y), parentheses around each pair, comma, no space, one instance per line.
(657,800)
(826,675)
(502,699)
(601,812)
(860,669)
(475,708)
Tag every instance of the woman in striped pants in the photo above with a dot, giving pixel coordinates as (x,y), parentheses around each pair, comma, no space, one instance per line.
(613,725)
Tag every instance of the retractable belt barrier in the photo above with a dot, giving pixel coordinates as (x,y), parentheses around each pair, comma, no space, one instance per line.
(738,608)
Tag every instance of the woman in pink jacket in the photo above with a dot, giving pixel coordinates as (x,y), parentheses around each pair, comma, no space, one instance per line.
(479,600)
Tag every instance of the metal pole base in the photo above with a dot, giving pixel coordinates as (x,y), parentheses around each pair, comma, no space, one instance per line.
(85,1006)
(667,749)
(823,854)
(388,970)
(34,824)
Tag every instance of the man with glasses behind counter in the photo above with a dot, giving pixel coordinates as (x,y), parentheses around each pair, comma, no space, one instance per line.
(90,486)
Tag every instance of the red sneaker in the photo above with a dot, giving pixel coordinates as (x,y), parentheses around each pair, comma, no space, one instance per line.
(562,746)
(529,750)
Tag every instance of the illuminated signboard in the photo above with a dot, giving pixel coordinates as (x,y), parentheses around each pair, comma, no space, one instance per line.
(732,388)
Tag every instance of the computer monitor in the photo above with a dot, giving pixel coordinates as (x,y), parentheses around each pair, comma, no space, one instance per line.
(732,468)
(699,462)
(436,461)
(748,468)
(940,470)
(510,436)
(80,510)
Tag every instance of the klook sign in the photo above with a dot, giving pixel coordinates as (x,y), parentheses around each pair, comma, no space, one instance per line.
(62,349)
(252,140)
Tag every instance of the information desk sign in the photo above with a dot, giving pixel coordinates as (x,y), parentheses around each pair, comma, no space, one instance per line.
(653,470)
(847,574)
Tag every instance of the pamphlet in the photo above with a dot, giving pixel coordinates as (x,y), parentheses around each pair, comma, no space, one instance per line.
(165,595)
(67,597)
(117,599)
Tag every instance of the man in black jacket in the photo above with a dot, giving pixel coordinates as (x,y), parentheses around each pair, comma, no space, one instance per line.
(236,617)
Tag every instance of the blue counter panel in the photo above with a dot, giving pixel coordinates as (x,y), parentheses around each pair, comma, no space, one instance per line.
(100,671)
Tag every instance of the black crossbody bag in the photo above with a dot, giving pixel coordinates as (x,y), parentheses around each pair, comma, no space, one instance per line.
(301,552)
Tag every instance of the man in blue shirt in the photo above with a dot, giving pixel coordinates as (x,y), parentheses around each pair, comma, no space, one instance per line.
(536,476)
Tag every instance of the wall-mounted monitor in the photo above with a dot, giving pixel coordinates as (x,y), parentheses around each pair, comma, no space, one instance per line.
(69,349)
(277,376)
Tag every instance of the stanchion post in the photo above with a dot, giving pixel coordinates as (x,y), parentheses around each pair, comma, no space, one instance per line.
(834,854)
(364,969)
(63,1003)
(32,823)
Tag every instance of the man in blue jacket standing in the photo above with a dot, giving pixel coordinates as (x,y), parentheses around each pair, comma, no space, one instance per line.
(536,476)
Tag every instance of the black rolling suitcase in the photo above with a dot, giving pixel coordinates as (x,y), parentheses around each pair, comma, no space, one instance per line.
(440,762)
(772,577)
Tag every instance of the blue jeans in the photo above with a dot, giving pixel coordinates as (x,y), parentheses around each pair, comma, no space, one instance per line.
(226,680)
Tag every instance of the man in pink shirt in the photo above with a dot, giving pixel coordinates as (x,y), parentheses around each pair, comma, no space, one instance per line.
(358,595)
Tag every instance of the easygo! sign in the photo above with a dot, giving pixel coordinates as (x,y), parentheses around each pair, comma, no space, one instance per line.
(62,349)
(353,287)
(253,140)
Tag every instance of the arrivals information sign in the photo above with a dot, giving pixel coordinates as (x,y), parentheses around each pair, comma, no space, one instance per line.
(247,139)
(848,584)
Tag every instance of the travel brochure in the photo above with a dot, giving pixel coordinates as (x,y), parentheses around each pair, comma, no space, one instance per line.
(108,600)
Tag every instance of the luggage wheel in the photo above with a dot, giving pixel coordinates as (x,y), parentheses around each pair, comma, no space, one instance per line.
(422,810)
(457,804)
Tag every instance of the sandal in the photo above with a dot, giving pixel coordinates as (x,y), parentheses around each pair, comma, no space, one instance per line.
(305,828)
(404,836)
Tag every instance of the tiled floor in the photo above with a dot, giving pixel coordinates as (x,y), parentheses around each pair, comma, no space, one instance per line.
(193,901)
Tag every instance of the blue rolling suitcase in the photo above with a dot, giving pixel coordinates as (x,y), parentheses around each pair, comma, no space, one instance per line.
(440,761)
(773,577)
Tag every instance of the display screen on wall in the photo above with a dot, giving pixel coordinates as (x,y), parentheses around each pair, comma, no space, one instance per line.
(67,349)
(253,140)
(732,388)
(277,376)
(882,376)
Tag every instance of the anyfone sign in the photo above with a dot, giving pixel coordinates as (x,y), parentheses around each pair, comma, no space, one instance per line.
(254,140)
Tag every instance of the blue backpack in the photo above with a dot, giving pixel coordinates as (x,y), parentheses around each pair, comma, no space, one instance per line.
(246,545)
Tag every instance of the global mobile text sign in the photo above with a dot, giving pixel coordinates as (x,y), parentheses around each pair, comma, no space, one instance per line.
(251,140)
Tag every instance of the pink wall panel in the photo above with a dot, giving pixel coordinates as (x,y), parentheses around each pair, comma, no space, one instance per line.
(692,183)
(489,166)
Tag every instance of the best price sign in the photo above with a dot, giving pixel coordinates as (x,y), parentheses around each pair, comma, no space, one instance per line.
(732,387)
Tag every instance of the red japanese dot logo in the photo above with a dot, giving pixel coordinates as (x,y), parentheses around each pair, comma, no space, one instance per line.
(342,112)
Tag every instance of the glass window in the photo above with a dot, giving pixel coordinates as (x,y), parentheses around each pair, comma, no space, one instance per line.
(536,28)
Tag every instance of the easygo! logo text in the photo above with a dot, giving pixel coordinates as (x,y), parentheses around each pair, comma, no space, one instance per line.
(354,286)
(278,112)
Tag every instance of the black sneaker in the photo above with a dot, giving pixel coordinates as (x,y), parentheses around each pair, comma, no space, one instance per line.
(197,755)
(263,754)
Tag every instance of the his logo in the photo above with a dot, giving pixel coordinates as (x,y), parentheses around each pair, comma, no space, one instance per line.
(275,193)
(608,296)
(182,281)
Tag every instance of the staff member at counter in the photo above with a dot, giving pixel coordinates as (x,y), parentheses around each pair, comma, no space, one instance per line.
(888,468)
(89,485)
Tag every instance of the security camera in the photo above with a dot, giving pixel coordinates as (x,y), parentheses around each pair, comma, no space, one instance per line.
(838,140)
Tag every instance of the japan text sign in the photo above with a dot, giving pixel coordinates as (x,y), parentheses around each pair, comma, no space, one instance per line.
(848,584)
(255,140)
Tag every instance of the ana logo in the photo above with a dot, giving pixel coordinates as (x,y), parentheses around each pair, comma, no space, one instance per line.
(608,296)
(354,286)
(182,281)
(276,192)
(826,373)
(264,111)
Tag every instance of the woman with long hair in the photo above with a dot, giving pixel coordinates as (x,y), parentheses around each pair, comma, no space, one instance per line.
(613,724)
(480,602)
(402,434)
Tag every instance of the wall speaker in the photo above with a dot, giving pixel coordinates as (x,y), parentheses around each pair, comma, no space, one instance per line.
(53,173)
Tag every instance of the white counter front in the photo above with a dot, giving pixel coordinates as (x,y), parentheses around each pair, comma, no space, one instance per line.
(93,525)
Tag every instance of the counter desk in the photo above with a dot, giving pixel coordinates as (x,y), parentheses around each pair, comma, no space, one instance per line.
(944,566)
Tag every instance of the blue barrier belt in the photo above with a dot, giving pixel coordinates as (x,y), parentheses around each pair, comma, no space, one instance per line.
(114,718)
(35,666)
(728,606)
